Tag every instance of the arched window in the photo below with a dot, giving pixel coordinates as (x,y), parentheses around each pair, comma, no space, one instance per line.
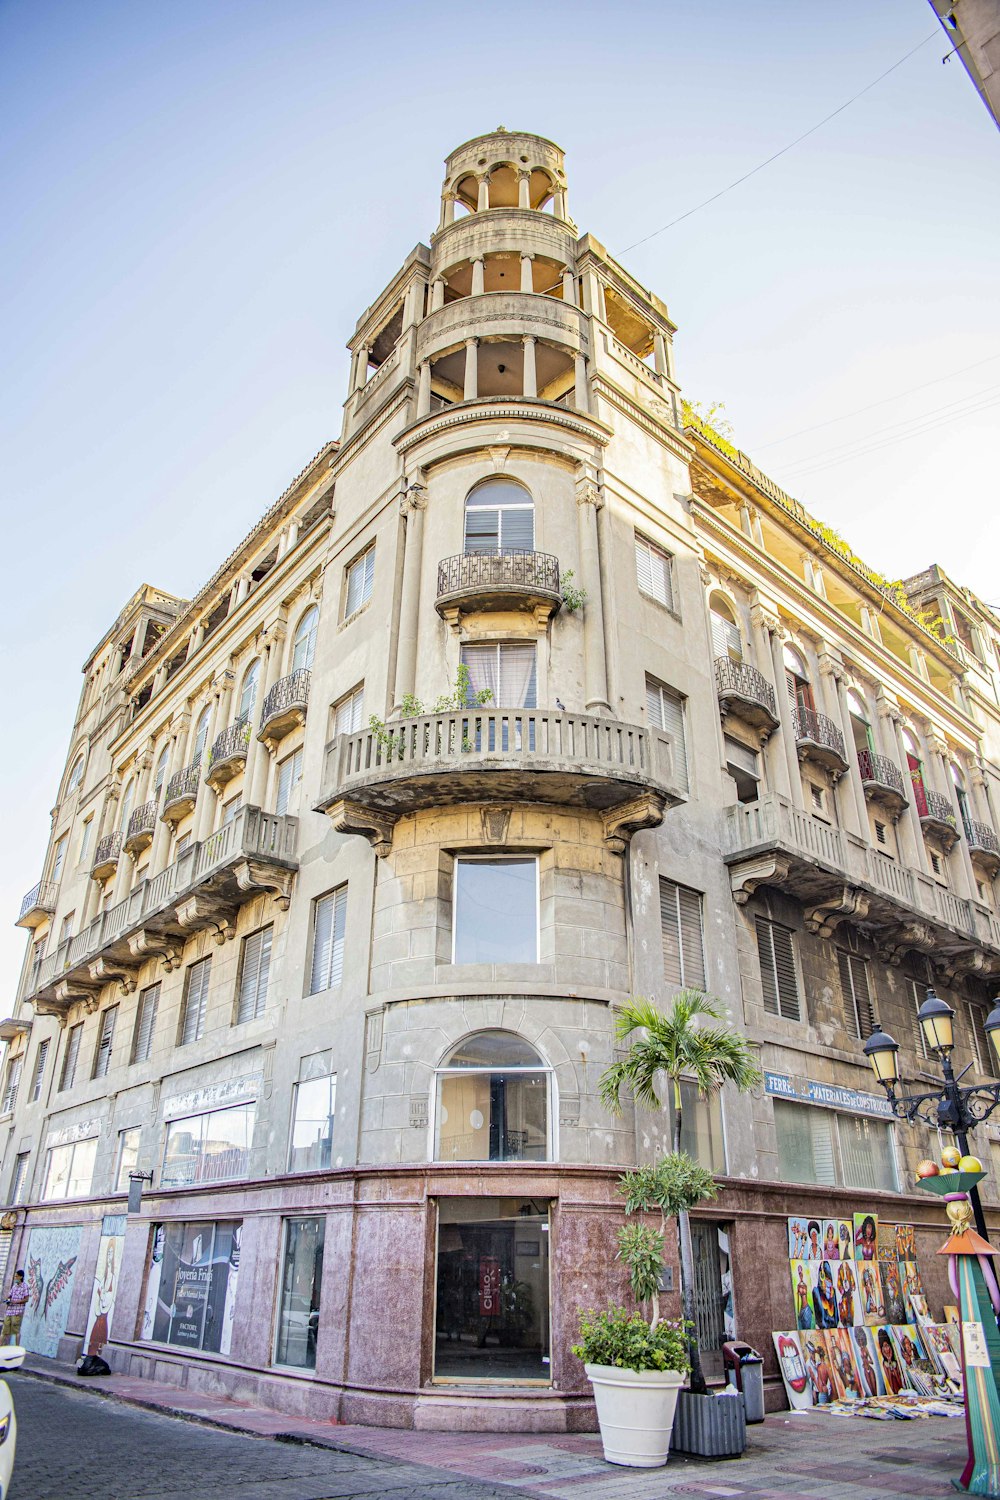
(499,517)
(726,640)
(860,727)
(493,1101)
(75,775)
(248,693)
(961,795)
(797,678)
(128,796)
(304,645)
(160,774)
(201,735)
(916,769)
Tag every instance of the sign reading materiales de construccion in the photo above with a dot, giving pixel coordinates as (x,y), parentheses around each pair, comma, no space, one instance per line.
(807,1091)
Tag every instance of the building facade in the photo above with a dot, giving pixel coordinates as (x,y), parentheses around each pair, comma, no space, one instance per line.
(530,693)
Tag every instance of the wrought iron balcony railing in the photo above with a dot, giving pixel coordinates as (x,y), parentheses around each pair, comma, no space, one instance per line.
(228,752)
(511,568)
(39,902)
(739,678)
(981,838)
(813,728)
(141,825)
(285,705)
(107,852)
(939,809)
(880,771)
(182,791)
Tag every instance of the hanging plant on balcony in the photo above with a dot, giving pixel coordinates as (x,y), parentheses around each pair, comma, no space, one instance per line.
(574,598)
(461,697)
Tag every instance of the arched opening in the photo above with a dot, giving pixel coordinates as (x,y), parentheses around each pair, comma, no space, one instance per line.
(503,369)
(304,644)
(160,774)
(75,775)
(915,767)
(861,728)
(466,193)
(248,692)
(797,679)
(503,187)
(492,1101)
(201,735)
(961,795)
(726,641)
(499,517)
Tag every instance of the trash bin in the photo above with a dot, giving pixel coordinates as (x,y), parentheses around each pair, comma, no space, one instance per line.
(746,1372)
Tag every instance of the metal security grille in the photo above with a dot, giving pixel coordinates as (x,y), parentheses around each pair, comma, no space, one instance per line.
(779,980)
(708,1297)
(683,935)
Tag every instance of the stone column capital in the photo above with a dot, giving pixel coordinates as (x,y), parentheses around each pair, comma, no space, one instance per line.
(588,492)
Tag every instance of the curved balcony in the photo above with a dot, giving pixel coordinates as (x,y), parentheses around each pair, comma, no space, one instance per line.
(882,781)
(182,793)
(38,905)
(745,694)
(818,739)
(228,754)
(141,827)
(374,777)
(491,315)
(521,231)
(106,856)
(984,846)
(284,707)
(937,817)
(512,579)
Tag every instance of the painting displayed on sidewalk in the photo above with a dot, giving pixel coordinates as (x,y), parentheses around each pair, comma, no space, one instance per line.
(50,1263)
(106,1274)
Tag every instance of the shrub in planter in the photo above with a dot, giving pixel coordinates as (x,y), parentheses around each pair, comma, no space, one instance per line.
(623,1339)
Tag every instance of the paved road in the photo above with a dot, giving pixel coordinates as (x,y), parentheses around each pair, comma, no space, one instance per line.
(74,1445)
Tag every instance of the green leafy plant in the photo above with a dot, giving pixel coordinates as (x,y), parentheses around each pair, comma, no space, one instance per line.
(625,1340)
(460,697)
(573,597)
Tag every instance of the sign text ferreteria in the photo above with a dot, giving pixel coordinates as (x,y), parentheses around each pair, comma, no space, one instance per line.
(807,1091)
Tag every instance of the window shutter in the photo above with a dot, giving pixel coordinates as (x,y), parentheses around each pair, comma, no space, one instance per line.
(195,1001)
(670,927)
(328,941)
(665,710)
(980,1040)
(779,980)
(102,1060)
(360,577)
(517,529)
(741,756)
(254,974)
(20,1173)
(349,713)
(10,1090)
(683,935)
(149,1002)
(289,774)
(857,995)
(725,638)
(918,994)
(36,1082)
(68,1074)
(482,528)
(652,568)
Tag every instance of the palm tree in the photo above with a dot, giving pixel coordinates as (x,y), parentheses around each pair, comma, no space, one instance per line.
(691,1041)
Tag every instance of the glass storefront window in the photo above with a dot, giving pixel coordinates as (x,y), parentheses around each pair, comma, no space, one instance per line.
(301,1279)
(493,1101)
(213,1147)
(836,1150)
(191,1287)
(69,1171)
(492,1305)
(311,1146)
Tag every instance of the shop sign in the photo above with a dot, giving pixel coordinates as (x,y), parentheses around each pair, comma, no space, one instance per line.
(807,1091)
(212,1095)
(489,1287)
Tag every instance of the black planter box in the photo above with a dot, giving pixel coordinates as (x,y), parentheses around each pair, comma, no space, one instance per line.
(709,1426)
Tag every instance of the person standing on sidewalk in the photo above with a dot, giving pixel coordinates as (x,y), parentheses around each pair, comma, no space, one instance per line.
(16,1298)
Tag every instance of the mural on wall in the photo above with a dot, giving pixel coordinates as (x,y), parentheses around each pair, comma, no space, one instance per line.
(50,1263)
(102,1301)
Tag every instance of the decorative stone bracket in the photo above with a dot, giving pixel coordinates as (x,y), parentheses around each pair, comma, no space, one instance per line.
(201,910)
(105,971)
(254,875)
(824,917)
(354,817)
(894,946)
(620,823)
(145,944)
(766,869)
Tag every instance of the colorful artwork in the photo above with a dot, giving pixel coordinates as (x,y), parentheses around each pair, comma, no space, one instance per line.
(872,1300)
(849,1310)
(951,1313)
(910,1277)
(817,1363)
(826,1313)
(845,1235)
(905,1242)
(888,1359)
(865,1236)
(866,1362)
(840,1348)
(803,1286)
(942,1346)
(918,1310)
(50,1264)
(831,1241)
(918,1370)
(102,1301)
(892,1294)
(792,1364)
(814,1234)
(887,1242)
(798,1240)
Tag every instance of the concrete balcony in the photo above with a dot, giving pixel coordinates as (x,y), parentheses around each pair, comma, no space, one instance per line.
(745,694)
(106,856)
(38,905)
(838,877)
(522,231)
(181,794)
(882,781)
(937,817)
(141,828)
(622,771)
(492,315)
(818,739)
(508,580)
(12,1028)
(203,889)
(984,846)
(228,754)
(284,707)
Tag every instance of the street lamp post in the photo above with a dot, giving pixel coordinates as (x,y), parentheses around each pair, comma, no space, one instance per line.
(949,1107)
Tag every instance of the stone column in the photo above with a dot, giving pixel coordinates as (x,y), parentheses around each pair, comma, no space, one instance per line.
(478,276)
(412,504)
(786,716)
(258,755)
(856,804)
(589,501)
(530,387)
(424,388)
(523,189)
(569,286)
(527,283)
(484,194)
(471,369)
(447,210)
(660,354)
(437,293)
(559,207)
(593,295)
(580,382)
(361,368)
(764,626)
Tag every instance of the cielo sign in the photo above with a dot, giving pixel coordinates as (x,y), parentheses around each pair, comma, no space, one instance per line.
(831,1095)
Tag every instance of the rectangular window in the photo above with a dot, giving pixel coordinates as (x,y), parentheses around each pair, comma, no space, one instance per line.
(69,1170)
(496,911)
(128,1157)
(184,842)
(230,810)
(980,1041)
(67,1076)
(58,856)
(329,924)
(360,577)
(195,1001)
(39,1073)
(289,776)
(860,1012)
(654,571)
(507,670)
(191,1285)
(255,971)
(701,1128)
(11,1081)
(726,640)
(743,765)
(315,1097)
(213,1147)
(831,1149)
(665,710)
(19,1181)
(102,1057)
(778,977)
(683,936)
(348,714)
(85,833)
(145,1023)
(918,994)
(66,926)
(301,1284)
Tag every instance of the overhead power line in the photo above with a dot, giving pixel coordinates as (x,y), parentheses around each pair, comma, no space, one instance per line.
(798,139)
(804,471)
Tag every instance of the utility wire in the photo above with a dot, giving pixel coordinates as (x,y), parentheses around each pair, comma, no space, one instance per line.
(902,437)
(761,165)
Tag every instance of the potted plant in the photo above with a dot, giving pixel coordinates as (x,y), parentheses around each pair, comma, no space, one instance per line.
(635,1367)
(690,1041)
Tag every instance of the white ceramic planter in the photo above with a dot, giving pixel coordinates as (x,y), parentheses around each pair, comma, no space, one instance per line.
(635,1410)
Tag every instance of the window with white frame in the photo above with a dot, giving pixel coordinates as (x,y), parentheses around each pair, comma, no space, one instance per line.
(726,640)
(201,736)
(349,711)
(128,797)
(105,1042)
(304,643)
(213,1147)
(329,926)
(11,1080)
(495,910)
(38,1076)
(778,975)
(67,1075)
(58,857)
(314,1101)
(492,1101)
(683,935)
(856,988)
(359,581)
(654,571)
(665,710)
(75,776)
(499,517)
(160,774)
(231,808)
(834,1149)
(19,1181)
(66,926)
(69,1170)
(255,971)
(195,1003)
(289,776)
(128,1156)
(248,692)
(145,1023)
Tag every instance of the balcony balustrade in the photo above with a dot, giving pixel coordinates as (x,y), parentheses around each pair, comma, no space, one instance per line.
(984,846)
(882,780)
(818,739)
(511,579)
(228,754)
(202,889)
(284,707)
(745,694)
(141,827)
(937,817)
(106,856)
(38,904)
(181,794)
(374,777)
(838,876)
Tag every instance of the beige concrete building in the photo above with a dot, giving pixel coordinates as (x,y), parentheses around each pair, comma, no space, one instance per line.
(973,27)
(527,695)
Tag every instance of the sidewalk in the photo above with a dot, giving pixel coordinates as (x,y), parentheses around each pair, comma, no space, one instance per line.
(790,1457)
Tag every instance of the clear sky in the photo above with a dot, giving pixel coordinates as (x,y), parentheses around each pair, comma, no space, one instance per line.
(199,197)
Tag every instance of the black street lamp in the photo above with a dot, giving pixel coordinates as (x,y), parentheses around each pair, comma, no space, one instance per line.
(949,1107)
